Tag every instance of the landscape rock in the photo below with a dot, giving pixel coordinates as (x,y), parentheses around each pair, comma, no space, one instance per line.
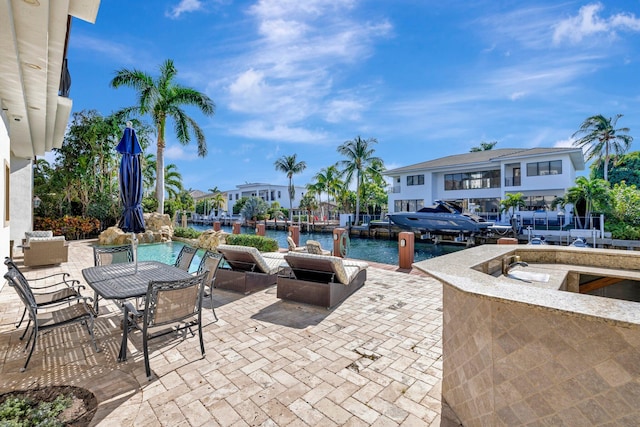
(210,239)
(159,228)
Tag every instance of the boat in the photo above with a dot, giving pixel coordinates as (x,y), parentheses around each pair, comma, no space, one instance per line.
(441,218)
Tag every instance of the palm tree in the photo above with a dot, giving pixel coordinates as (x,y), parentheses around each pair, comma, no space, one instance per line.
(173,181)
(602,139)
(511,202)
(218,201)
(593,193)
(290,165)
(316,189)
(359,156)
(484,146)
(161,98)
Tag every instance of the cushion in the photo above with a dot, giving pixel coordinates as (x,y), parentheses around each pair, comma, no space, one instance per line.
(38,233)
(314,247)
(265,265)
(45,239)
(345,270)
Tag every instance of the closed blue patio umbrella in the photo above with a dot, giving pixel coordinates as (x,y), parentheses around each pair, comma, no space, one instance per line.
(130,182)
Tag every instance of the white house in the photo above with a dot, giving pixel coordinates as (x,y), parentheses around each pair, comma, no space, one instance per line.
(268,192)
(479,180)
(34,96)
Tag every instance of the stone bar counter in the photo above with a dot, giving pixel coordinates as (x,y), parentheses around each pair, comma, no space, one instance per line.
(538,352)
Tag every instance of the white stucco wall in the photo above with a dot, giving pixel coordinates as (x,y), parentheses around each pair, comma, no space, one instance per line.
(21,198)
(4,161)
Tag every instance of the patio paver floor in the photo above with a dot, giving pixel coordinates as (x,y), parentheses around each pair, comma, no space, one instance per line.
(376,359)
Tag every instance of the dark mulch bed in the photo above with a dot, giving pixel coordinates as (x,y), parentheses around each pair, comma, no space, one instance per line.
(79,414)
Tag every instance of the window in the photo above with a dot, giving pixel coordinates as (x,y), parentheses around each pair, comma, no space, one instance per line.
(236,196)
(472,180)
(230,196)
(415,180)
(553,167)
(279,195)
(408,205)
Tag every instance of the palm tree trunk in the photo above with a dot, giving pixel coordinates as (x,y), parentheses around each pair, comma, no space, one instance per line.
(160,169)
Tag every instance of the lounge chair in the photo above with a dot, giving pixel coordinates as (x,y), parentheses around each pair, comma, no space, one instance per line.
(319,279)
(293,247)
(314,247)
(246,269)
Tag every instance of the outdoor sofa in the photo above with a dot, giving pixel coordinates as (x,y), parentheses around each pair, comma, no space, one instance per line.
(246,269)
(43,248)
(320,279)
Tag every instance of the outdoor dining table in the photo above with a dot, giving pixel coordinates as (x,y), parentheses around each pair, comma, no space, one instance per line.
(124,281)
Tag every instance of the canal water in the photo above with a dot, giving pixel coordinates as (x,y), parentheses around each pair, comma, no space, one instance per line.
(368,249)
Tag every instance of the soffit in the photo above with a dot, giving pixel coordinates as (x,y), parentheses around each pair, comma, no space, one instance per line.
(33,34)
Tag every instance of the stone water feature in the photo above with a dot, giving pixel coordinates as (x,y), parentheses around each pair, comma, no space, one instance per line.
(159,228)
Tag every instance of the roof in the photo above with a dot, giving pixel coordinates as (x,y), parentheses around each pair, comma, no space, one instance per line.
(489,156)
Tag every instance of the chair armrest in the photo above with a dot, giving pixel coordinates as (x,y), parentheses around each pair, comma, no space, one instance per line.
(71,283)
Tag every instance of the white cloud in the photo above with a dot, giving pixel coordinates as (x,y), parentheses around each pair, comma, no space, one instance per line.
(344,110)
(180,152)
(278,132)
(290,72)
(588,22)
(183,7)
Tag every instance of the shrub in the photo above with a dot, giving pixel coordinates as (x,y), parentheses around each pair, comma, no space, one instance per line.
(71,227)
(186,233)
(26,412)
(263,244)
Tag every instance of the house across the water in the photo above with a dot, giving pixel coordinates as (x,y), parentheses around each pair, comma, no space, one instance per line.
(477,181)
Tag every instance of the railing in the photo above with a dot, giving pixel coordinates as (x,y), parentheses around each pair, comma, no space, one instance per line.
(395,189)
(512,182)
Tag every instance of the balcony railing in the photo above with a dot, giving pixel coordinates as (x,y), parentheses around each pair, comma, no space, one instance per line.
(512,182)
(395,189)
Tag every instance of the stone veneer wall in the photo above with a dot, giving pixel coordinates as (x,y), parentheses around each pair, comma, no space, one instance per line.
(508,363)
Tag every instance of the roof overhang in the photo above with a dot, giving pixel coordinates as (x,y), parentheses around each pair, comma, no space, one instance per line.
(33,40)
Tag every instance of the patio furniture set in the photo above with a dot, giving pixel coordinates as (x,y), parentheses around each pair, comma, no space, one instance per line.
(168,294)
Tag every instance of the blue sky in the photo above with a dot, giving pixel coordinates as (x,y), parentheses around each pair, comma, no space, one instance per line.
(425,78)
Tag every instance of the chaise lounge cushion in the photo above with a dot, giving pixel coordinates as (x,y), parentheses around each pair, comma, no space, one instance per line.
(245,257)
(344,270)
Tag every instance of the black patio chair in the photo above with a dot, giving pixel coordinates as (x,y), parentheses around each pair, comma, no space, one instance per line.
(107,255)
(169,303)
(183,261)
(63,289)
(44,320)
(210,262)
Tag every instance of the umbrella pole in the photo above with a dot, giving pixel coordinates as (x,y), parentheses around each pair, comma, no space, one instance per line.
(134,247)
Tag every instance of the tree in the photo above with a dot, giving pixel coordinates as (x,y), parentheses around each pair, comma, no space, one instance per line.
(218,201)
(593,193)
(484,146)
(602,140)
(627,168)
(253,208)
(511,202)
(161,98)
(290,166)
(173,181)
(359,154)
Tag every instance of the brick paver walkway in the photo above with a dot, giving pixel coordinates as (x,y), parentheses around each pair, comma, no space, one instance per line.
(376,359)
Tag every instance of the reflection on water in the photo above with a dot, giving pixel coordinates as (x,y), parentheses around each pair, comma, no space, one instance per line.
(376,250)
